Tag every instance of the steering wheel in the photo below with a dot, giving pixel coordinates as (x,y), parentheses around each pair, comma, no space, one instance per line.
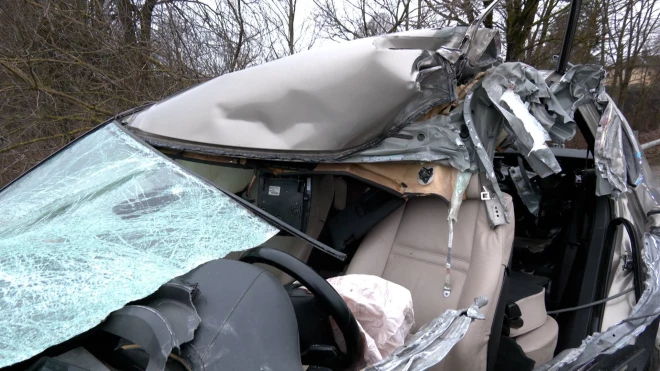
(326,296)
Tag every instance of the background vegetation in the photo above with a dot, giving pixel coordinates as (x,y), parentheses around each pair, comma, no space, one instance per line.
(67,65)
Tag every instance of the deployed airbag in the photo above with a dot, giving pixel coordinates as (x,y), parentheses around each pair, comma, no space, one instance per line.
(383,309)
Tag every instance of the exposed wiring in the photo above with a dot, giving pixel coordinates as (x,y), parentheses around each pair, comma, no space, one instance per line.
(130,346)
(591,304)
(254,177)
(246,195)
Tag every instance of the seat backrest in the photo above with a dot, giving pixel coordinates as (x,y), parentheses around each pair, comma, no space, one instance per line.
(410,248)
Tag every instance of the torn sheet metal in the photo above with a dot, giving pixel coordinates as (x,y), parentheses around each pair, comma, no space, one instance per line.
(512,97)
(446,41)
(620,335)
(608,150)
(455,44)
(619,158)
(474,107)
(471,41)
(530,123)
(103,222)
(462,181)
(441,136)
(433,341)
(515,87)
(580,85)
(530,195)
(442,139)
(632,150)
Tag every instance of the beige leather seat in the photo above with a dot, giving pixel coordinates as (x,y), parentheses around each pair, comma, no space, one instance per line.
(538,335)
(410,247)
(539,344)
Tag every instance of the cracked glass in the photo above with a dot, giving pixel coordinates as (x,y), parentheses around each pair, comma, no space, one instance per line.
(105,221)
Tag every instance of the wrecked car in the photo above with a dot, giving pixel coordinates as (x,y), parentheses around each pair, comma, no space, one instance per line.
(203,232)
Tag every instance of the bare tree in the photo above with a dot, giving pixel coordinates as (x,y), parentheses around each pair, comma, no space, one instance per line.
(630,28)
(68,65)
(287,31)
(354,19)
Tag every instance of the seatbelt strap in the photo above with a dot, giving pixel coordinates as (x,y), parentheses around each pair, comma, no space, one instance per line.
(447,288)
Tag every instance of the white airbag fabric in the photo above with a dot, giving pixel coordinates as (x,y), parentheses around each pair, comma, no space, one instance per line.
(383,309)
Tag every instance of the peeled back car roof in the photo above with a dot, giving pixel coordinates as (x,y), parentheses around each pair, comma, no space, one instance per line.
(327,99)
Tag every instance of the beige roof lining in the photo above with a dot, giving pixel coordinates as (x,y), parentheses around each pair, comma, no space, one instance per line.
(400,177)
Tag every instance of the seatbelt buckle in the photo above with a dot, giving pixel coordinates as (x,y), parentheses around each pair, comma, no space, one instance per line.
(485,195)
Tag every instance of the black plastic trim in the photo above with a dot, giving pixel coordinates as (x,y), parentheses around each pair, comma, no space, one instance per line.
(584,281)
(498,323)
(634,245)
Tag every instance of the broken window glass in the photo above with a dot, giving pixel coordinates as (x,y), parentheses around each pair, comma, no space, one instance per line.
(105,221)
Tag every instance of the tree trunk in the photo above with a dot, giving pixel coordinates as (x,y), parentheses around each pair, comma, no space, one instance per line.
(125,15)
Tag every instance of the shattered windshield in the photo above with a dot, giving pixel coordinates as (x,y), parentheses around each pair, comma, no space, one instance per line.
(103,222)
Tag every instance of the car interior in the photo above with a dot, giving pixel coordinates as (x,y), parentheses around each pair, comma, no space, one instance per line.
(532,266)
(552,255)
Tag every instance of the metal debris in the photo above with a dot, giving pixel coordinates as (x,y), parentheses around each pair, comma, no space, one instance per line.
(462,181)
(529,194)
(580,85)
(433,341)
(513,88)
(620,335)
(608,149)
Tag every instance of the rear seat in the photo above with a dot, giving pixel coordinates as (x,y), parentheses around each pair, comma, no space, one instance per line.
(538,334)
